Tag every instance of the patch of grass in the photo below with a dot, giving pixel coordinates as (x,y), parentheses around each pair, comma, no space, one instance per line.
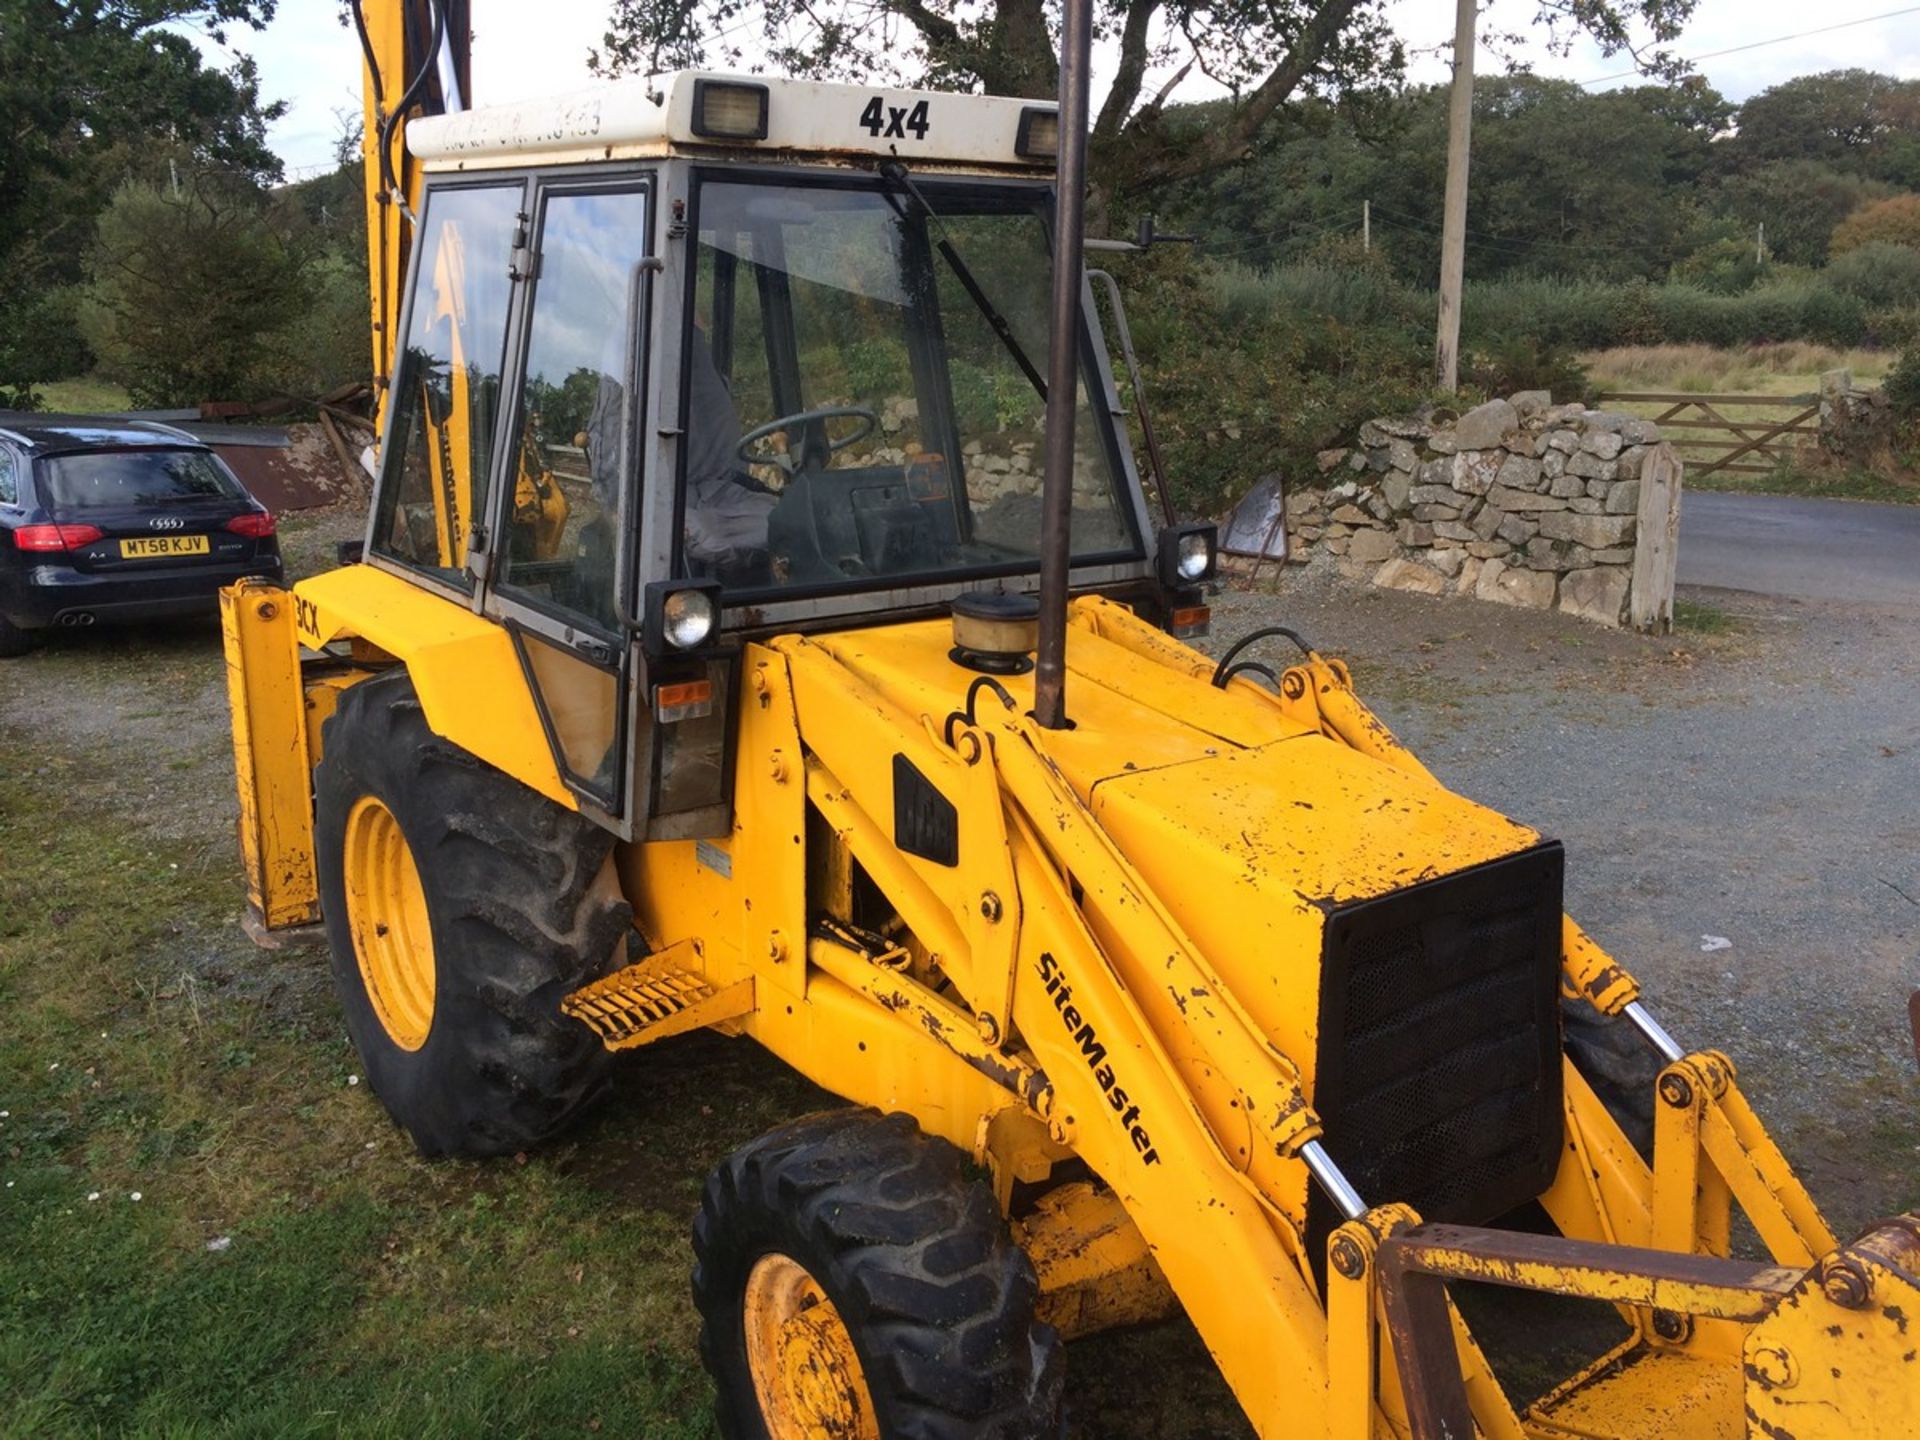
(146,1047)
(1699,617)
(84,395)
(1853,483)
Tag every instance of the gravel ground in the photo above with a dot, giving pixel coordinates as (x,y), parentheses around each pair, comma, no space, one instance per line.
(1757,785)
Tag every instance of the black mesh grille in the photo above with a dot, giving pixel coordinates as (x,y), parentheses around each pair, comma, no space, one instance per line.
(1439,1069)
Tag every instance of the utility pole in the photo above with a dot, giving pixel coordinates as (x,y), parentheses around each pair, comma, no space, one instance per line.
(1453,237)
(1760,245)
(1366,226)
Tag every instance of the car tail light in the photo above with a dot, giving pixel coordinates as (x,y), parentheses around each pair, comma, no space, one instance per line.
(56,537)
(255,524)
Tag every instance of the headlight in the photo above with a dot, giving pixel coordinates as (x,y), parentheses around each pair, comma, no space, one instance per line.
(679,616)
(1186,554)
(687,618)
(1195,555)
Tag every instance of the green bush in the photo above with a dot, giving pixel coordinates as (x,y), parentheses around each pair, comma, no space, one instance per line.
(1883,276)
(1902,385)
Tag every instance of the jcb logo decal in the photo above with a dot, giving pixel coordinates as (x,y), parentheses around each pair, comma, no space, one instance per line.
(1080,1030)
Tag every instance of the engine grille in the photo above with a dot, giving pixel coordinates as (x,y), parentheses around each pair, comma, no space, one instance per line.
(1439,1067)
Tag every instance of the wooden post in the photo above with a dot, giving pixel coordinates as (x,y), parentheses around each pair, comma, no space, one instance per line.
(1366,226)
(1656,551)
(1453,235)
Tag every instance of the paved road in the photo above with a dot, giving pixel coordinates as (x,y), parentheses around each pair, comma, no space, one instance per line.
(1805,549)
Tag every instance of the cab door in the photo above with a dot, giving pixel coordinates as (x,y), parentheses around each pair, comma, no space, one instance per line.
(567,481)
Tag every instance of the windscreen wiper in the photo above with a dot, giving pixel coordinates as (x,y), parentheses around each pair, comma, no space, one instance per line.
(896,172)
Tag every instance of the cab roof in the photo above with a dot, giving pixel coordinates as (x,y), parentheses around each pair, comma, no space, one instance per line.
(646,117)
(48,434)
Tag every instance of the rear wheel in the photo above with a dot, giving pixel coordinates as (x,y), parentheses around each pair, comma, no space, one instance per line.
(854,1284)
(13,640)
(460,907)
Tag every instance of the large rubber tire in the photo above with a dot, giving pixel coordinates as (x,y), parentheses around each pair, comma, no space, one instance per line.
(938,1299)
(1615,1059)
(523,906)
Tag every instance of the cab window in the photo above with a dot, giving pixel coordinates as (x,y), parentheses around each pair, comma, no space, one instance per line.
(447,381)
(9,487)
(567,473)
(864,390)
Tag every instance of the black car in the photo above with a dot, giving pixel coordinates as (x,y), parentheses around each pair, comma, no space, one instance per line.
(104,520)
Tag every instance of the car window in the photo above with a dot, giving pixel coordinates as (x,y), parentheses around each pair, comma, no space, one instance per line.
(9,487)
(129,479)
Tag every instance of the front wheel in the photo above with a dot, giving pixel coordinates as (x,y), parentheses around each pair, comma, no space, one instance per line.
(854,1283)
(460,908)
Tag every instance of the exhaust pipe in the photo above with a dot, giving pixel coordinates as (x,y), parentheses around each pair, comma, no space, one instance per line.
(77,617)
(1063,366)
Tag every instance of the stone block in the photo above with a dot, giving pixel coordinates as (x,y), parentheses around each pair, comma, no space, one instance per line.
(1605,444)
(1605,422)
(1378,507)
(1403,574)
(1528,403)
(1565,441)
(1487,520)
(1519,472)
(1624,498)
(1508,585)
(1475,471)
(1599,489)
(1436,512)
(1485,426)
(1521,443)
(1328,460)
(1599,595)
(1565,487)
(1372,435)
(1448,562)
(1370,547)
(1299,502)
(1434,472)
(1640,432)
(1515,530)
(1345,490)
(1630,461)
(1402,456)
(1592,467)
(1586,505)
(1357,461)
(1487,549)
(1409,427)
(1453,530)
(1413,534)
(1594,531)
(1350,515)
(1443,442)
(1463,583)
(1553,464)
(1338,532)
(1379,461)
(1393,489)
(1434,495)
(1335,544)
(1505,499)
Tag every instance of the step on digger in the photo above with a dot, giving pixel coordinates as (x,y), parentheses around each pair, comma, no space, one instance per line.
(762,626)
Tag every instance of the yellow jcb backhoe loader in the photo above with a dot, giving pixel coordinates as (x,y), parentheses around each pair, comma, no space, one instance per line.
(835,697)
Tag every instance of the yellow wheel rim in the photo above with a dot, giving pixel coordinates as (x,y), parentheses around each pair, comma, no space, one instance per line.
(387,917)
(806,1374)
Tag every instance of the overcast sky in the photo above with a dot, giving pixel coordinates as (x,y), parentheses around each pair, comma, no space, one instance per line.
(309,60)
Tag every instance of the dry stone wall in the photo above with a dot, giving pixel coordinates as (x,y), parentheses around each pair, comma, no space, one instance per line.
(1519,501)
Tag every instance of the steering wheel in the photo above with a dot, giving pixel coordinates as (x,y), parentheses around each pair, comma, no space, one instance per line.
(786,459)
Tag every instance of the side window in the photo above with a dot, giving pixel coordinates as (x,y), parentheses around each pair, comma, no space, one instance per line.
(567,474)
(447,380)
(9,487)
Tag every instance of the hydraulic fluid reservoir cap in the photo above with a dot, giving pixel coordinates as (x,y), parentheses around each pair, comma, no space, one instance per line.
(995,633)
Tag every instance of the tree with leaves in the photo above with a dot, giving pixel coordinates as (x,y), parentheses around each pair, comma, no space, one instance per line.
(93,93)
(1267,54)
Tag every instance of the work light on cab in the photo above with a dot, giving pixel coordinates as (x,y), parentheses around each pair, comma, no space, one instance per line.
(687,618)
(1187,553)
(1039,135)
(726,111)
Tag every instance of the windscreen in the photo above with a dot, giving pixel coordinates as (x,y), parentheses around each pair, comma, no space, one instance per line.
(133,479)
(866,392)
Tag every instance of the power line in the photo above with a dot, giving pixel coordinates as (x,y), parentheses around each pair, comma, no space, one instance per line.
(1762,44)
